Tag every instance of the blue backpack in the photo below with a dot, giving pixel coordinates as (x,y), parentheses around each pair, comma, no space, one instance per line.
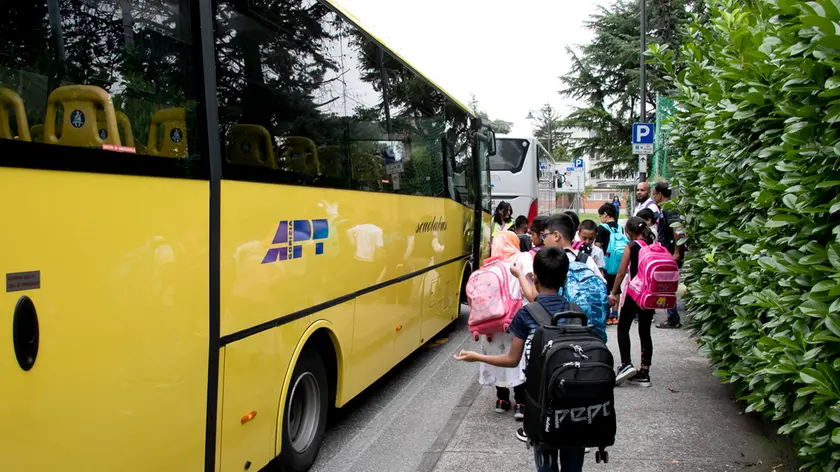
(615,249)
(587,290)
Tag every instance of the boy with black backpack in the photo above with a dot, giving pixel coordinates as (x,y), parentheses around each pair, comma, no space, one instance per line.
(550,267)
(569,373)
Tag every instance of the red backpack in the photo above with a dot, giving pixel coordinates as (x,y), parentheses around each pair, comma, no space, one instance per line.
(656,282)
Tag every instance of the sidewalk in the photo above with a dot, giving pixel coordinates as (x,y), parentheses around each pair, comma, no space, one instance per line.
(686,421)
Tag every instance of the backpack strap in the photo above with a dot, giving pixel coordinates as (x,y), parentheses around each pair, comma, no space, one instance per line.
(539,313)
(641,242)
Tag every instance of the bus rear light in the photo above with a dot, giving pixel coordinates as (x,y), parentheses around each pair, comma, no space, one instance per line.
(532,212)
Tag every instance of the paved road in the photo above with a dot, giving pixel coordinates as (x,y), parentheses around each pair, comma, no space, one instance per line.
(392,425)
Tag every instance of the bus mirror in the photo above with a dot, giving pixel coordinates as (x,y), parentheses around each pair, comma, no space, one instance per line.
(491,148)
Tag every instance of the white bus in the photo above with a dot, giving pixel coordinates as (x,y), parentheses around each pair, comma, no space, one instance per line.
(515,173)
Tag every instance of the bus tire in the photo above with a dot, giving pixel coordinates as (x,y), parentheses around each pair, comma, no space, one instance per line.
(305,414)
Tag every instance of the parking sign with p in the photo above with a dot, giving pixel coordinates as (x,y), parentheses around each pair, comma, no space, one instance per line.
(642,138)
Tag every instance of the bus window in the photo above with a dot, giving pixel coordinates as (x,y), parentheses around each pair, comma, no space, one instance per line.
(279,93)
(88,84)
(510,155)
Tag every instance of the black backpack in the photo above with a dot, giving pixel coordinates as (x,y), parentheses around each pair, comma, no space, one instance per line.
(569,385)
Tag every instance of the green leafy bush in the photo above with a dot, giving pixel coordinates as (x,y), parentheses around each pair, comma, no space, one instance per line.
(758,133)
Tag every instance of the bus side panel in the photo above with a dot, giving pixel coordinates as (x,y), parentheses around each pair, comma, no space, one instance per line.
(255,371)
(286,249)
(120,377)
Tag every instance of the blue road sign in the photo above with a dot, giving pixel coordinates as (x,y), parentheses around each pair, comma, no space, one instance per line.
(579,163)
(642,133)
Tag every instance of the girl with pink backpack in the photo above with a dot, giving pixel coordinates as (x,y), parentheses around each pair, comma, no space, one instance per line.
(494,296)
(653,275)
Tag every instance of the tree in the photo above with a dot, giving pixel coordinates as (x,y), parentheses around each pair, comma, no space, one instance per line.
(605,77)
(757,139)
(499,126)
(548,129)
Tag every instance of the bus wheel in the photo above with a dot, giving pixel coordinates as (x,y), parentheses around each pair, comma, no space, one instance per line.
(305,414)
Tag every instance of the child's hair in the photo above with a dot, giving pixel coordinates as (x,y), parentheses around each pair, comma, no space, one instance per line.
(588,225)
(538,224)
(521,221)
(499,215)
(550,267)
(647,215)
(637,227)
(563,224)
(609,210)
(574,217)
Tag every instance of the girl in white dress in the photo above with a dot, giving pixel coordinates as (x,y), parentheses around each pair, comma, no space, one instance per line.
(506,246)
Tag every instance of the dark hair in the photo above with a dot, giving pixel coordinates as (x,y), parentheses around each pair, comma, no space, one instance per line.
(550,267)
(662,189)
(588,225)
(525,243)
(637,227)
(609,210)
(563,224)
(574,217)
(498,216)
(646,214)
(538,224)
(521,220)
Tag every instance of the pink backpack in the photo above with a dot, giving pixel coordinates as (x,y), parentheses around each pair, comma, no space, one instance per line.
(488,293)
(656,282)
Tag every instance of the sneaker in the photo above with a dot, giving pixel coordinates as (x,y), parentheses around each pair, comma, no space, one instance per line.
(519,412)
(520,435)
(502,406)
(668,325)
(625,372)
(642,378)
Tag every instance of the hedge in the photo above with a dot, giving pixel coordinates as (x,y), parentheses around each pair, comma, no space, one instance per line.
(757,87)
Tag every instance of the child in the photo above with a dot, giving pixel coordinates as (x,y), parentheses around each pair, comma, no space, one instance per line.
(537,227)
(587,231)
(649,218)
(636,229)
(520,227)
(550,268)
(502,220)
(506,247)
(575,220)
(608,215)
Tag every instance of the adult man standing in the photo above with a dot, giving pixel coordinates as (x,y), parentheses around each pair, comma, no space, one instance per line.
(643,197)
(665,236)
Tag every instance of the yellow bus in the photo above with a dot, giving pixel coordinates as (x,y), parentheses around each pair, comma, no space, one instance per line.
(219,220)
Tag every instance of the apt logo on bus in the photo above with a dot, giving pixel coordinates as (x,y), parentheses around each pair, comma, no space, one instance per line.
(290,234)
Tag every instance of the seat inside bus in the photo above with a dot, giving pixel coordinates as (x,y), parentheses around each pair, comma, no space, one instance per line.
(168,133)
(10,102)
(299,154)
(80,103)
(123,123)
(250,145)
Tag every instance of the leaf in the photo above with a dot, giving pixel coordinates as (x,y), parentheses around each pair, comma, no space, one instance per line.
(835,436)
(781,220)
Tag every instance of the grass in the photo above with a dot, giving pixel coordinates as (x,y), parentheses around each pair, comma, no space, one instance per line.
(585,216)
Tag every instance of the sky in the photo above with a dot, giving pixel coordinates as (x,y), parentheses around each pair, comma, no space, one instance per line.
(508,53)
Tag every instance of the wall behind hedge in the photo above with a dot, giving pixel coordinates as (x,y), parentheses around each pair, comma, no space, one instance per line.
(758,133)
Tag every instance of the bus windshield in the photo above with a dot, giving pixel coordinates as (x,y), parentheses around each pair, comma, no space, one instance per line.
(510,154)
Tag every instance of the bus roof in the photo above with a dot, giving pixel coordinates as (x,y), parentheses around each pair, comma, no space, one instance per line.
(358,23)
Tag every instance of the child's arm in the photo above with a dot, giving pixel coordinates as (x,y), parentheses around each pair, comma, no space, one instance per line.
(529,291)
(619,277)
(511,359)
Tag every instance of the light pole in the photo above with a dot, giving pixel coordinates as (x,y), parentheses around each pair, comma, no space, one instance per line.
(642,84)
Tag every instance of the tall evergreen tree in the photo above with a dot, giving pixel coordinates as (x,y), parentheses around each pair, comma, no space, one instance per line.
(605,77)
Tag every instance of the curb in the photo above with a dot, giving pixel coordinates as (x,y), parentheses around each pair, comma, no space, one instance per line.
(432,455)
